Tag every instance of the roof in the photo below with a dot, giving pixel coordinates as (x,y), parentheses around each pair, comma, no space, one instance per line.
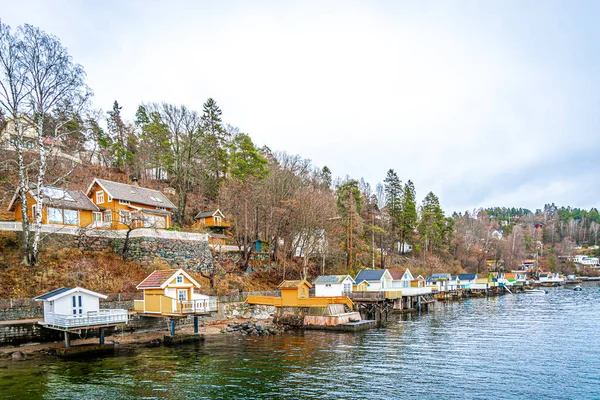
(63,198)
(134,193)
(53,293)
(467,277)
(331,279)
(217,235)
(370,275)
(206,214)
(293,284)
(159,279)
(62,292)
(397,273)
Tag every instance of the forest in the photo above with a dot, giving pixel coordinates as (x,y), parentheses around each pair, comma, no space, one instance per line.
(310,221)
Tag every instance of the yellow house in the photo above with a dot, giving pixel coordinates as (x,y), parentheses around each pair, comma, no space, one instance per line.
(296,294)
(123,206)
(59,206)
(173,292)
(214,220)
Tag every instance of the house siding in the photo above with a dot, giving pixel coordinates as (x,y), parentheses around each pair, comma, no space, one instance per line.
(115,207)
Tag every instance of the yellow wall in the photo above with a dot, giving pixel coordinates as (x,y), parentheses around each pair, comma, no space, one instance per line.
(299,302)
(115,207)
(210,222)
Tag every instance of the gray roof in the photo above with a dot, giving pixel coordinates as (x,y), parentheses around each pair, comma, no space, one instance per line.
(467,277)
(370,275)
(136,194)
(330,279)
(205,214)
(64,198)
(52,293)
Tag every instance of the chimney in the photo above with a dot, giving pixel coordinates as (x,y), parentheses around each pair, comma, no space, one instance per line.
(134,180)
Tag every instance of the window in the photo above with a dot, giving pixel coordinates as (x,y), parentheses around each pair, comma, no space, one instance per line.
(126,202)
(125,217)
(109,198)
(217,220)
(328,285)
(203,221)
(108,216)
(182,295)
(180,279)
(347,287)
(55,215)
(33,208)
(71,217)
(161,208)
(96,216)
(99,197)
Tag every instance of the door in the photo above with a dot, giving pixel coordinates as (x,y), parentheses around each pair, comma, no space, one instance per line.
(77,306)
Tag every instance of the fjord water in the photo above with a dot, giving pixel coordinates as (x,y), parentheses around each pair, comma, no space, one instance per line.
(511,347)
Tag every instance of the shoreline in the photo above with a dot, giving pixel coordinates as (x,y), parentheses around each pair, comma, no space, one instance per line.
(210,328)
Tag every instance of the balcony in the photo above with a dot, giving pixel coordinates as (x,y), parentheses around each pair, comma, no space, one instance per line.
(92,318)
(198,306)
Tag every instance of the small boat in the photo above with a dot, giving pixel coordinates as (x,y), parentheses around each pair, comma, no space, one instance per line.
(535,291)
(578,288)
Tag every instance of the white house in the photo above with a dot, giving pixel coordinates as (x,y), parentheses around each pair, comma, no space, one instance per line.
(78,307)
(466,281)
(377,279)
(442,282)
(587,261)
(333,285)
(401,279)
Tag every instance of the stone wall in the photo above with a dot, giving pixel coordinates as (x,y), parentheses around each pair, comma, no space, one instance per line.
(146,246)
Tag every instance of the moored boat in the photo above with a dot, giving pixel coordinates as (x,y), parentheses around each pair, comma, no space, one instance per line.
(578,288)
(535,291)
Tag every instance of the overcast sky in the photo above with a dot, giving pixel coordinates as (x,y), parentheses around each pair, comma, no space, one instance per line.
(483,103)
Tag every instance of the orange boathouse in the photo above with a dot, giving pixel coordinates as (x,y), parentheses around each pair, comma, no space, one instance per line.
(296,294)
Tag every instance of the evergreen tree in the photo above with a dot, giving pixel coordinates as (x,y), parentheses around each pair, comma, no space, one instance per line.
(433,225)
(214,145)
(122,140)
(393,201)
(326,177)
(409,219)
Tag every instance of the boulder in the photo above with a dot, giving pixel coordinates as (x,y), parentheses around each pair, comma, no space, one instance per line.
(17,355)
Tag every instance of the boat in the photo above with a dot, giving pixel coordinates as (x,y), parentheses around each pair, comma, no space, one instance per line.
(578,288)
(535,291)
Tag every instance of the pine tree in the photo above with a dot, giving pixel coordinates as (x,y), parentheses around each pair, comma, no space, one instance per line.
(409,219)
(350,202)
(393,201)
(123,142)
(214,145)
(433,225)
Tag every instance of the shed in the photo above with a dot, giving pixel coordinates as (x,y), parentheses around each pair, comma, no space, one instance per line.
(293,290)
(333,285)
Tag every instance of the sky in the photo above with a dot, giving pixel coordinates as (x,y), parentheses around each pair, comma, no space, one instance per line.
(483,103)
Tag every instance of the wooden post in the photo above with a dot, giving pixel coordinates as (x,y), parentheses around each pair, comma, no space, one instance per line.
(172,327)
(195,324)
(101,335)
(67,340)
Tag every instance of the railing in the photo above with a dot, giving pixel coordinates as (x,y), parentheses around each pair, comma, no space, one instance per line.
(198,306)
(91,318)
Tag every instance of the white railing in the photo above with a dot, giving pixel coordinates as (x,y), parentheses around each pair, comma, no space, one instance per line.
(199,306)
(91,318)
(90,231)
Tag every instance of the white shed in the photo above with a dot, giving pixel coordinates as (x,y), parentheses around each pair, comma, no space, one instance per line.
(333,285)
(77,307)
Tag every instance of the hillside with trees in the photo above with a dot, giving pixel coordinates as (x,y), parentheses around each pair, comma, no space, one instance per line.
(310,221)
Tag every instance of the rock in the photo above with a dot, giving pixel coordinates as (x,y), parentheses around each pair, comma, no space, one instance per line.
(17,355)
(229,330)
(3,355)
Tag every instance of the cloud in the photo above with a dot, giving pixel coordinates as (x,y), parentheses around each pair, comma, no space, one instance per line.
(483,103)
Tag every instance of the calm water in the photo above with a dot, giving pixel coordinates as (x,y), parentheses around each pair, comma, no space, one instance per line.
(517,347)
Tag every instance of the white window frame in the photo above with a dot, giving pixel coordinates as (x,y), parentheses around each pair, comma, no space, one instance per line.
(62,221)
(217,220)
(70,222)
(125,220)
(179,279)
(110,198)
(95,214)
(33,207)
(100,196)
(125,202)
(161,208)
(179,292)
(108,213)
